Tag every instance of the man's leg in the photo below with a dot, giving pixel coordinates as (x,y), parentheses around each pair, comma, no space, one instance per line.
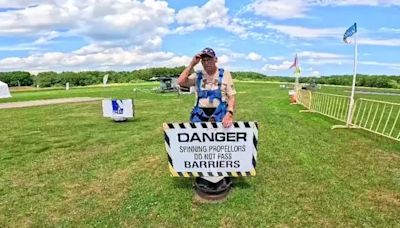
(212,186)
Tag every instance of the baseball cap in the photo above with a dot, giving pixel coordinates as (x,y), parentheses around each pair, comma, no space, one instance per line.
(208,51)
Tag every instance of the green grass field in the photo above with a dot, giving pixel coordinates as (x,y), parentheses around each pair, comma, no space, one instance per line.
(346,91)
(65,165)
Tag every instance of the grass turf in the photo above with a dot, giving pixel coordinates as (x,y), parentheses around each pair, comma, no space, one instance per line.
(65,165)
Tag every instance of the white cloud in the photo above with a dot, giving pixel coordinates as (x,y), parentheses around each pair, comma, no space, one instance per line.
(320,55)
(322,58)
(285,9)
(89,49)
(373,63)
(19,47)
(43,39)
(308,58)
(393,30)
(282,9)
(99,57)
(379,42)
(249,23)
(211,14)
(46,37)
(270,37)
(313,33)
(137,22)
(254,56)
(279,31)
(129,33)
(35,19)
(355,2)
(232,56)
(220,42)
(272,67)
(278,58)
(224,60)
(227,57)
(175,61)
(315,73)
(93,57)
(309,33)
(21,3)
(327,61)
(123,21)
(228,53)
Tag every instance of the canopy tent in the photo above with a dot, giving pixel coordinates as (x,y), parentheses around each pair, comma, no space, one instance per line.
(4,91)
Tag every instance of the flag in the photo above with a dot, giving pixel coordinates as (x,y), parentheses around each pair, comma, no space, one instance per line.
(295,63)
(349,32)
(105,79)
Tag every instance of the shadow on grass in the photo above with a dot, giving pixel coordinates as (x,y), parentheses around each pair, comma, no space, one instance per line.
(187,183)
(129,120)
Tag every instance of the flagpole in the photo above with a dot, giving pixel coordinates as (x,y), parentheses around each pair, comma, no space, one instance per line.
(353,86)
(296,74)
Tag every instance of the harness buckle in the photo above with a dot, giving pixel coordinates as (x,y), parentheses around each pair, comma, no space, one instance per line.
(212,119)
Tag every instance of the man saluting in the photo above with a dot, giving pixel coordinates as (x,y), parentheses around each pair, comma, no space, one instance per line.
(215,102)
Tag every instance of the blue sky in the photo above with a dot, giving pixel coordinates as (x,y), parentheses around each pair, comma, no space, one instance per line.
(259,35)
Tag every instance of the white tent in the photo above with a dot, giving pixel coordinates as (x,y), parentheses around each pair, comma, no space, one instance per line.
(4,91)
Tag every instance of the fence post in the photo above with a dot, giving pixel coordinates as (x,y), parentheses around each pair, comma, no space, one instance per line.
(352,114)
(310,100)
(349,114)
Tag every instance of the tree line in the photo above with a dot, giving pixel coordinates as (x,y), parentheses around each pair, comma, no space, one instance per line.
(379,81)
(83,78)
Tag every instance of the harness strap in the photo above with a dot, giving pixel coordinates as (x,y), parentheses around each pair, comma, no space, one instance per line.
(220,76)
(199,78)
(220,110)
(210,94)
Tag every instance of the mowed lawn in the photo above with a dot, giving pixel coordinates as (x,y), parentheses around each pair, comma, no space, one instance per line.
(380,94)
(65,165)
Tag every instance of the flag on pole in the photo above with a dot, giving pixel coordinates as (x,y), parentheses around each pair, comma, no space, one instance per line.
(349,32)
(105,79)
(295,63)
(297,71)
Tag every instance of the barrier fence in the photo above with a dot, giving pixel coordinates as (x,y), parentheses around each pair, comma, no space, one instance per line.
(379,117)
(303,97)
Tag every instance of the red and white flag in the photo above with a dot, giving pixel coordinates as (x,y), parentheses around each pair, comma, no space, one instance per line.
(295,63)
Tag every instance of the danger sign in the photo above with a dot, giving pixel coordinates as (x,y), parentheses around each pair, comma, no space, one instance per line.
(209,149)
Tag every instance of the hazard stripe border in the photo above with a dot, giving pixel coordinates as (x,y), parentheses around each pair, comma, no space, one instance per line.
(174,173)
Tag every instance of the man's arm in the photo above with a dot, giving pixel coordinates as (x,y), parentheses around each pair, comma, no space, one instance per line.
(231,103)
(228,118)
(230,92)
(183,78)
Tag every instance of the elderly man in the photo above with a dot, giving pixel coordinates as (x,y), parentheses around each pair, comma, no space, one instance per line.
(215,102)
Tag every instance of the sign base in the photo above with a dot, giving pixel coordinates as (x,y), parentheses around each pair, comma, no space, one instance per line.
(119,119)
(208,192)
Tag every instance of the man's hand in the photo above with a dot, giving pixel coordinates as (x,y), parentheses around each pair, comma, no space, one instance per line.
(227,120)
(183,78)
(196,59)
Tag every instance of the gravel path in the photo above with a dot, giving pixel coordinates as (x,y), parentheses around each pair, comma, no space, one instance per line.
(23,104)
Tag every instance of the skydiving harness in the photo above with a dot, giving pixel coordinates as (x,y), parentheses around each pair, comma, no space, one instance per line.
(198,114)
